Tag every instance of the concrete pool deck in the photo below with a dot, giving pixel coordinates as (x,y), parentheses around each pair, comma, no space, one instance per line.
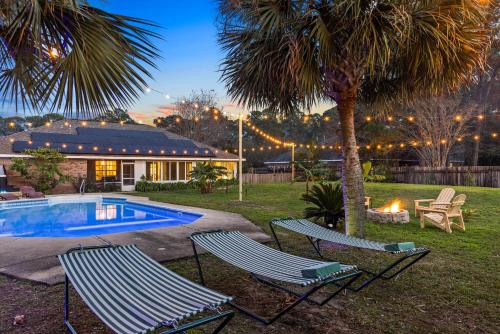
(35,258)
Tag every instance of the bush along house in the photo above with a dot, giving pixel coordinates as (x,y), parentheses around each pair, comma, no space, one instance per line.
(112,155)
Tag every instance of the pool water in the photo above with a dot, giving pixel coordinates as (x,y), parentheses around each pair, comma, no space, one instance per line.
(77,219)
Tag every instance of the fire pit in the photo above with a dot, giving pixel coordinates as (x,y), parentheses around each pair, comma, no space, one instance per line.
(391,213)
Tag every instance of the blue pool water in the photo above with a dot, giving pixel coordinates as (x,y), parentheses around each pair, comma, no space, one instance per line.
(71,220)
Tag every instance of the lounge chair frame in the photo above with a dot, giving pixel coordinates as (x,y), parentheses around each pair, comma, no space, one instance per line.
(386,273)
(301,297)
(225,316)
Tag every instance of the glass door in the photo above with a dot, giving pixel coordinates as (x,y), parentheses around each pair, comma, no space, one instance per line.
(128,176)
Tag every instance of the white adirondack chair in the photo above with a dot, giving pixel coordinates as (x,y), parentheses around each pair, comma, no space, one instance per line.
(441,202)
(444,218)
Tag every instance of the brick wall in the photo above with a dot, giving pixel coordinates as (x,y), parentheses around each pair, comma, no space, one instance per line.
(71,167)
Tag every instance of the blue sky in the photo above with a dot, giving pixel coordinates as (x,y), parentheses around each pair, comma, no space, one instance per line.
(189,50)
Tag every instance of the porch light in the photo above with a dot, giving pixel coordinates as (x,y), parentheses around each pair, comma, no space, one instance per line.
(12,124)
(47,123)
(110,149)
(124,150)
(174,152)
(195,152)
(162,152)
(80,147)
(185,152)
(64,145)
(47,144)
(11,140)
(137,151)
(95,148)
(206,151)
(149,151)
(30,142)
(103,123)
(84,123)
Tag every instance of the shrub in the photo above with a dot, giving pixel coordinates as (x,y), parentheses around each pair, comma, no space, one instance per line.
(328,201)
(41,168)
(204,176)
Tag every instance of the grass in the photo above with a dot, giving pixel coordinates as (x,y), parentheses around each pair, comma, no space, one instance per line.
(453,290)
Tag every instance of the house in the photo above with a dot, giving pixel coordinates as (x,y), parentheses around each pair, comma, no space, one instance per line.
(114,153)
(282,162)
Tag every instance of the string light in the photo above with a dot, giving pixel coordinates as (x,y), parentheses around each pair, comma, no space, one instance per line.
(53,53)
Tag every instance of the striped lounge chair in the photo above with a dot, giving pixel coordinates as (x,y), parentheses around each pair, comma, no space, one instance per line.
(315,233)
(272,267)
(131,293)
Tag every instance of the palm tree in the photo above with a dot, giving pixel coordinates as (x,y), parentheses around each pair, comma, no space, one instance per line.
(291,54)
(67,55)
(205,174)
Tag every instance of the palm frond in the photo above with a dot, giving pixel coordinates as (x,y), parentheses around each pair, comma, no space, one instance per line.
(293,54)
(87,60)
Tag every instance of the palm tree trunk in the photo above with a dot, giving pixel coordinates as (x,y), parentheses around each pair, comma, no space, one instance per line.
(352,176)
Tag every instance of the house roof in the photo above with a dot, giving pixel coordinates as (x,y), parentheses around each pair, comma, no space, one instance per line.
(74,137)
(286,157)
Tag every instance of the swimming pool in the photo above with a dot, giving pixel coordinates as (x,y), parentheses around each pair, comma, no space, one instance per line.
(74,216)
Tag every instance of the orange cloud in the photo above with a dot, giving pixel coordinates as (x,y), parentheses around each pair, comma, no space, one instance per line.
(167,110)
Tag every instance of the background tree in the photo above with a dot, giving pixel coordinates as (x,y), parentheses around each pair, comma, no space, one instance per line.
(115,116)
(69,55)
(485,93)
(201,118)
(439,124)
(292,54)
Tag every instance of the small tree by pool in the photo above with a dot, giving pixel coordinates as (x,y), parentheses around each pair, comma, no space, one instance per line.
(205,174)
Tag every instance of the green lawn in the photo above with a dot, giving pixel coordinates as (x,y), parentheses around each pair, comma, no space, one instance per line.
(454,290)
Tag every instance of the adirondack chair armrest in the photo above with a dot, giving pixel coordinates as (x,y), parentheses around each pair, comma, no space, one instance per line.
(441,203)
(424,210)
(417,201)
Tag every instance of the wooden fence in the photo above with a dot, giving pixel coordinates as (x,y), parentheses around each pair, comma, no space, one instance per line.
(482,176)
(267,178)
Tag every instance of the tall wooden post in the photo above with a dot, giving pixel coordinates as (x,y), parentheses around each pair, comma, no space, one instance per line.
(240,156)
(293,161)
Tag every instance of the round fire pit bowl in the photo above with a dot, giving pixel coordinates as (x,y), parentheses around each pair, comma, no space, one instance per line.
(379,216)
